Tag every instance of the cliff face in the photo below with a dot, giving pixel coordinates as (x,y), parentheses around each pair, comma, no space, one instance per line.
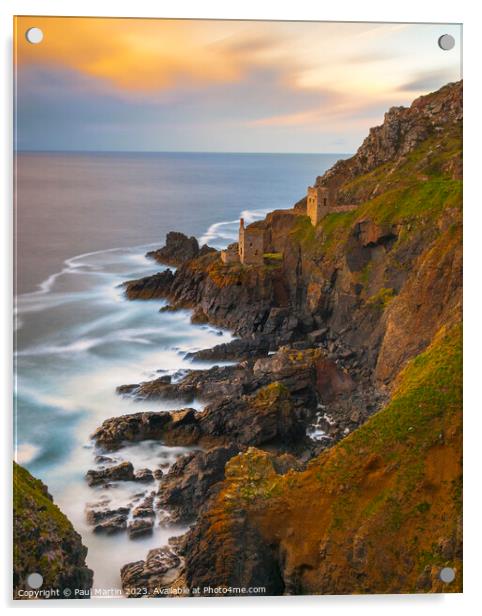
(380,279)
(376,294)
(44,540)
(380,512)
(402,131)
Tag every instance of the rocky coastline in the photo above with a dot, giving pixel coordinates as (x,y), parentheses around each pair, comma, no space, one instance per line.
(324,336)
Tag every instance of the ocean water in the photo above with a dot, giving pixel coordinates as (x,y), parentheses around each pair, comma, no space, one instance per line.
(83,225)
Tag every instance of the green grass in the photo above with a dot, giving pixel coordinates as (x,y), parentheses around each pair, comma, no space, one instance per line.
(382,298)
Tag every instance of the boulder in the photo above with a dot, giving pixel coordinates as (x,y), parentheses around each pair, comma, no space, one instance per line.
(178,249)
(144,475)
(139,527)
(121,472)
(149,287)
(162,567)
(192,480)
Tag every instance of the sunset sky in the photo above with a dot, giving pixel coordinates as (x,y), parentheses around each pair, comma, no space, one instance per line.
(236,86)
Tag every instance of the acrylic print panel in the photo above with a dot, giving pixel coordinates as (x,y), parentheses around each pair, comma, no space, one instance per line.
(238,308)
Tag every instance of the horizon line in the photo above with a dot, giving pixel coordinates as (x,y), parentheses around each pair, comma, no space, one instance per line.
(38,151)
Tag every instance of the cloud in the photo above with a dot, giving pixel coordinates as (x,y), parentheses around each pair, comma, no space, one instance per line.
(142,84)
(427,81)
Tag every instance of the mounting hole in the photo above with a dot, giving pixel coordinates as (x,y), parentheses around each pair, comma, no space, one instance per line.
(447,575)
(35,580)
(446,42)
(34,36)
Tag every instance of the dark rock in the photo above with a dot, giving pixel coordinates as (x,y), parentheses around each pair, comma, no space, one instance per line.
(121,472)
(139,527)
(192,480)
(161,569)
(178,249)
(273,413)
(147,426)
(144,475)
(317,335)
(150,287)
(145,509)
(111,525)
(238,349)
(104,460)
(100,511)
(199,317)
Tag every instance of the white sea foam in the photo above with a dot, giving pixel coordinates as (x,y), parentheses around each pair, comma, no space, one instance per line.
(220,234)
(83,341)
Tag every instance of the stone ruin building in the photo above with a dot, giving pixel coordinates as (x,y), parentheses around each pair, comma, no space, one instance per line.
(250,248)
(321,200)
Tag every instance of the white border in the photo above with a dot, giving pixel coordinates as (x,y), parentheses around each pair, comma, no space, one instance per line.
(465,11)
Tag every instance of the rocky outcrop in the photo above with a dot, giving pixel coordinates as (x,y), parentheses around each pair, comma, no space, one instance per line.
(150,287)
(121,472)
(380,512)
(137,517)
(192,481)
(114,432)
(45,542)
(158,576)
(293,367)
(237,349)
(179,249)
(268,415)
(403,130)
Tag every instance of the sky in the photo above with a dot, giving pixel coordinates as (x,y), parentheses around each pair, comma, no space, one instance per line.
(101,84)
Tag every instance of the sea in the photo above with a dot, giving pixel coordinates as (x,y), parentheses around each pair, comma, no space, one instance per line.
(83,223)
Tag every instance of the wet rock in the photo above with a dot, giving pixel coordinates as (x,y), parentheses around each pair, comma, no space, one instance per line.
(158,473)
(104,460)
(199,317)
(145,426)
(145,509)
(179,249)
(283,388)
(100,512)
(149,287)
(192,480)
(139,527)
(237,349)
(293,367)
(161,569)
(121,472)
(144,475)
(111,525)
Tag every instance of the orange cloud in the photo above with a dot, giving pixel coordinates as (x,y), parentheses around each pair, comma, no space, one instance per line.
(355,62)
(136,54)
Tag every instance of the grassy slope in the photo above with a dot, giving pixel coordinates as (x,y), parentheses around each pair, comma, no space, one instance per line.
(381,510)
(414,193)
(42,534)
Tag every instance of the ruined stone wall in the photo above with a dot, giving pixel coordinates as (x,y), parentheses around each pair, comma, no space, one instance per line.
(251,246)
(230,254)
